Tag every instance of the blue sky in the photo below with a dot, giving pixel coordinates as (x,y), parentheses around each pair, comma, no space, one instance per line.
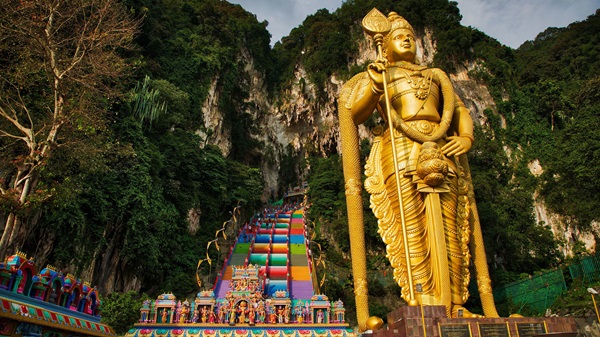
(511,22)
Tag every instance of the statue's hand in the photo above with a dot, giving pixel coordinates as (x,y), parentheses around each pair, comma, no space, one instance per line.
(375,71)
(457,146)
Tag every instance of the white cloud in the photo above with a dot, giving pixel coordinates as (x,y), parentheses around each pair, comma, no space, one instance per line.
(511,22)
(284,15)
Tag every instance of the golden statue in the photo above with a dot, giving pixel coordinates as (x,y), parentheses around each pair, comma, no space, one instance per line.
(419,179)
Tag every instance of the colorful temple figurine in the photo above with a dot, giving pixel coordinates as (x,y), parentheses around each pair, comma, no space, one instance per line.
(286,314)
(297,312)
(185,311)
(320,316)
(272,317)
(261,312)
(251,315)
(242,311)
(226,312)
(204,315)
(165,308)
(232,313)
(177,312)
(320,307)
(145,311)
(211,317)
(165,316)
(221,315)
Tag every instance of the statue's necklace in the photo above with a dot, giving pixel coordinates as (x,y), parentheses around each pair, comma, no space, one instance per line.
(422,85)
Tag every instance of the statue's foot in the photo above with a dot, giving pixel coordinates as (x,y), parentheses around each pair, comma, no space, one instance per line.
(460,311)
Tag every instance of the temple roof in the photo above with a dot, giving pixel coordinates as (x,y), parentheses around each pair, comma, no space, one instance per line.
(26,309)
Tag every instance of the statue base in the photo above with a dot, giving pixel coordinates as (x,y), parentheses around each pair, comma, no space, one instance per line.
(431,321)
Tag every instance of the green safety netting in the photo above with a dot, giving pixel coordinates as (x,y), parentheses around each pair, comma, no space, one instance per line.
(537,293)
(587,269)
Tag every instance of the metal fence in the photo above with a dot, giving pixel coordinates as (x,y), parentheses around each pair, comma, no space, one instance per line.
(536,293)
(588,269)
(539,292)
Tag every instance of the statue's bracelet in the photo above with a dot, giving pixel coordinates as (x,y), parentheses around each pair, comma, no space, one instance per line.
(467,135)
(376,90)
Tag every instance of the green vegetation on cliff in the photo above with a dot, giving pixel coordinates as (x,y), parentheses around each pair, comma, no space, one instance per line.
(136,194)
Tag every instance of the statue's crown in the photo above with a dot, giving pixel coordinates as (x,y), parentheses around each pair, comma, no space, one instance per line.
(396,22)
(399,22)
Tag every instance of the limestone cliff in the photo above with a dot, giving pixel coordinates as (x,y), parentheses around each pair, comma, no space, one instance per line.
(303,119)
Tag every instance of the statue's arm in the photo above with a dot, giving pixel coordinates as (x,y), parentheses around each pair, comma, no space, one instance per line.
(364,99)
(462,120)
(462,124)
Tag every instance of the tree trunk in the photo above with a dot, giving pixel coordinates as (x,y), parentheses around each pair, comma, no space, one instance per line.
(8,229)
(13,223)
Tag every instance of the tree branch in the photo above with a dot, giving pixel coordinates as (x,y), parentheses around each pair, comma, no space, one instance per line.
(10,135)
(15,122)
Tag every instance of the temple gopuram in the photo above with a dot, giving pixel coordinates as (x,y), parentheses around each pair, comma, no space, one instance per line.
(47,303)
(267,288)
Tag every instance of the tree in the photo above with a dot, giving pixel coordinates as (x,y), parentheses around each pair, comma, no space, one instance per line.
(571,179)
(122,310)
(61,61)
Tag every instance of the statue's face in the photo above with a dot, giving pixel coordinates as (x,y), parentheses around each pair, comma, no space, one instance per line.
(401,46)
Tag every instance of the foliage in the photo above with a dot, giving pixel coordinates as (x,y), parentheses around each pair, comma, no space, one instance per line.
(198,45)
(121,310)
(559,74)
(577,301)
(136,192)
(145,102)
(58,76)
(571,182)
(561,53)
(326,189)
(505,206)
(136,205)
(567,97)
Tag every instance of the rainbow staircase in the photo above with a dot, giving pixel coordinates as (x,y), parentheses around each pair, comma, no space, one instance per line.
(278,245)
(266,288)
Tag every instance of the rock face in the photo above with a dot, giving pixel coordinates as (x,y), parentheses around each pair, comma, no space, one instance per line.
(213,120)
(303,119)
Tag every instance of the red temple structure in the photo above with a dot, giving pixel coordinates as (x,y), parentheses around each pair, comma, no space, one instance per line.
(46,303)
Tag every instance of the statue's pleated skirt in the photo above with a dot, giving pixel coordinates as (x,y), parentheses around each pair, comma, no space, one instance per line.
(453,203)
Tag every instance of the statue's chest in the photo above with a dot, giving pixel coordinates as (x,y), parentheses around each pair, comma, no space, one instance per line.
(418,83)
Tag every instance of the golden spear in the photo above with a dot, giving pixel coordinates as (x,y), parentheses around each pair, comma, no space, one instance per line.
(376,24)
